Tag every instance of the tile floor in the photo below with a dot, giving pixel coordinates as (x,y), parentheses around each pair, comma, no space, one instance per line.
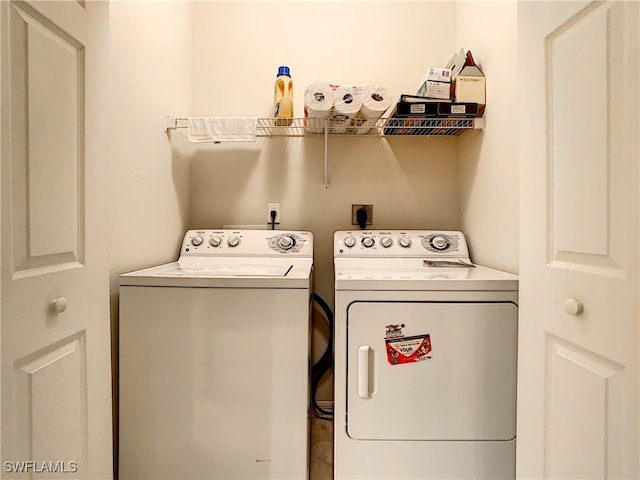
(321,458)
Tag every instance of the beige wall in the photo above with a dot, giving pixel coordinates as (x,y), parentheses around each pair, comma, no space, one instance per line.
(150,77)
(237,48)
(150,67)
(489,194)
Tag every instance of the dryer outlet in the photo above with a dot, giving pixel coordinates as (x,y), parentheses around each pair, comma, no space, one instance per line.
(354,213)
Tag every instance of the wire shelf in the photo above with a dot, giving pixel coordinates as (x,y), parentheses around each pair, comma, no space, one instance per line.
(301,127)
(359,127)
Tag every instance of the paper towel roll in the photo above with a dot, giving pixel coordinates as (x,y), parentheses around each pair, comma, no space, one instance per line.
(375,101)
(318,102)
(347,101)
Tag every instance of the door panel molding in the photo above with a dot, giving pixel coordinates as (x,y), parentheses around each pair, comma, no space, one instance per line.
(47,168)
(583,409)
(46,380)
(579,129)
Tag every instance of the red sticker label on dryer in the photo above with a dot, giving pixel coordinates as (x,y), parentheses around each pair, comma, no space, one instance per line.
(402,349)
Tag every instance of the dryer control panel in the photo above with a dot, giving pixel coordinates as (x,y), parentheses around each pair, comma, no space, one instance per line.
(400,243)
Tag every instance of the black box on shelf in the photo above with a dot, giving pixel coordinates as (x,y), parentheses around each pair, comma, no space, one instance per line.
(458,109)
(416,109)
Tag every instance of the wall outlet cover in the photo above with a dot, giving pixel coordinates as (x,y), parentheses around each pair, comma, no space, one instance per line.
(273,206)
(354,213)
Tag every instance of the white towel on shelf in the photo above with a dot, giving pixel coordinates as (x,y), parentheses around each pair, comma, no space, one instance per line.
(221,129)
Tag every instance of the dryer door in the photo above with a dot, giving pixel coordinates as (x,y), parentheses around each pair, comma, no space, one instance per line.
(431,370)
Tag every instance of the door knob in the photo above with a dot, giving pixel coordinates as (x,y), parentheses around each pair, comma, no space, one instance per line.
(573,306)
(59,305)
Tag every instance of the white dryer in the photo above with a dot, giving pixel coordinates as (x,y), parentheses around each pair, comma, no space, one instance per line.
(214,359)
(425,359)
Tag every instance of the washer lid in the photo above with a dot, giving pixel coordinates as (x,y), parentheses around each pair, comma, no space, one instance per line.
(226,272)
(232,267)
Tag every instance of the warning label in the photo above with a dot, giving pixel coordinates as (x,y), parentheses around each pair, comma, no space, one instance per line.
(401,349)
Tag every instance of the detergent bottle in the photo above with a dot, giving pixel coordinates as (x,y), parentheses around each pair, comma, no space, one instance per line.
(283,97)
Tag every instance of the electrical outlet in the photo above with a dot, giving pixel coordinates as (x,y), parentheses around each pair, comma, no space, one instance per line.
(354,213)
(271,207)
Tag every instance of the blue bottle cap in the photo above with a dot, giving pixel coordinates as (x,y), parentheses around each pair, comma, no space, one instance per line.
(284,70)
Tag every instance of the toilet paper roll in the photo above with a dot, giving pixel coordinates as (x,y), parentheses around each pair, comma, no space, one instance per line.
(375,101)
(347,101)
(318,102)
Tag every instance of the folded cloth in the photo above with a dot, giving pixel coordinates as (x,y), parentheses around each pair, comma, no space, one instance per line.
(221,129)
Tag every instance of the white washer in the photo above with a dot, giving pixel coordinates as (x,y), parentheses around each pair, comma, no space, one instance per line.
(214,359)
(425,359)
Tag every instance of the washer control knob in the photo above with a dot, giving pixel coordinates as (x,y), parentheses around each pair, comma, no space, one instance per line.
(368,242)
(286,242)
(386,242)
(404,242)
(440,243)
(233,241)
(349,242)
(215,241)
(196,241)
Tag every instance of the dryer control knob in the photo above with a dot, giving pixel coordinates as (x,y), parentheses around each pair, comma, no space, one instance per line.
(439,243)
(233,241)
(196,241)
(368,242)
(386,242)
(286,242)
(349,242)
(404,242)
(215,241)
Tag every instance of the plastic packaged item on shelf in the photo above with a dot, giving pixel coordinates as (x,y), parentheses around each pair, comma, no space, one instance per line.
(283,97)
(375,101)
(318,103)
(347,101)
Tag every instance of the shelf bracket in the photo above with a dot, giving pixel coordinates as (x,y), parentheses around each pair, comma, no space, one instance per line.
(170,122)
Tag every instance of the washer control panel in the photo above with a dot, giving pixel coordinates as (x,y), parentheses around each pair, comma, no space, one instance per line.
(400,243)
(247,243)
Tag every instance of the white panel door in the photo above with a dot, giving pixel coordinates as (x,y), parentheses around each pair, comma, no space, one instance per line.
(56,376)
(579,313)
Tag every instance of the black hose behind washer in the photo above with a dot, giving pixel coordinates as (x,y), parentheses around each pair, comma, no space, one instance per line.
(325,363)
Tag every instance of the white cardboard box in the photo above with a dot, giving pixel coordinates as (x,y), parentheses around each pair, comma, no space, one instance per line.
(456,63)
(470,89)
(469,83)
(438,90)
(439,74)
(436,83)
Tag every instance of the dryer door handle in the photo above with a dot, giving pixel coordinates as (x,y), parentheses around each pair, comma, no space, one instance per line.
(364,362)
